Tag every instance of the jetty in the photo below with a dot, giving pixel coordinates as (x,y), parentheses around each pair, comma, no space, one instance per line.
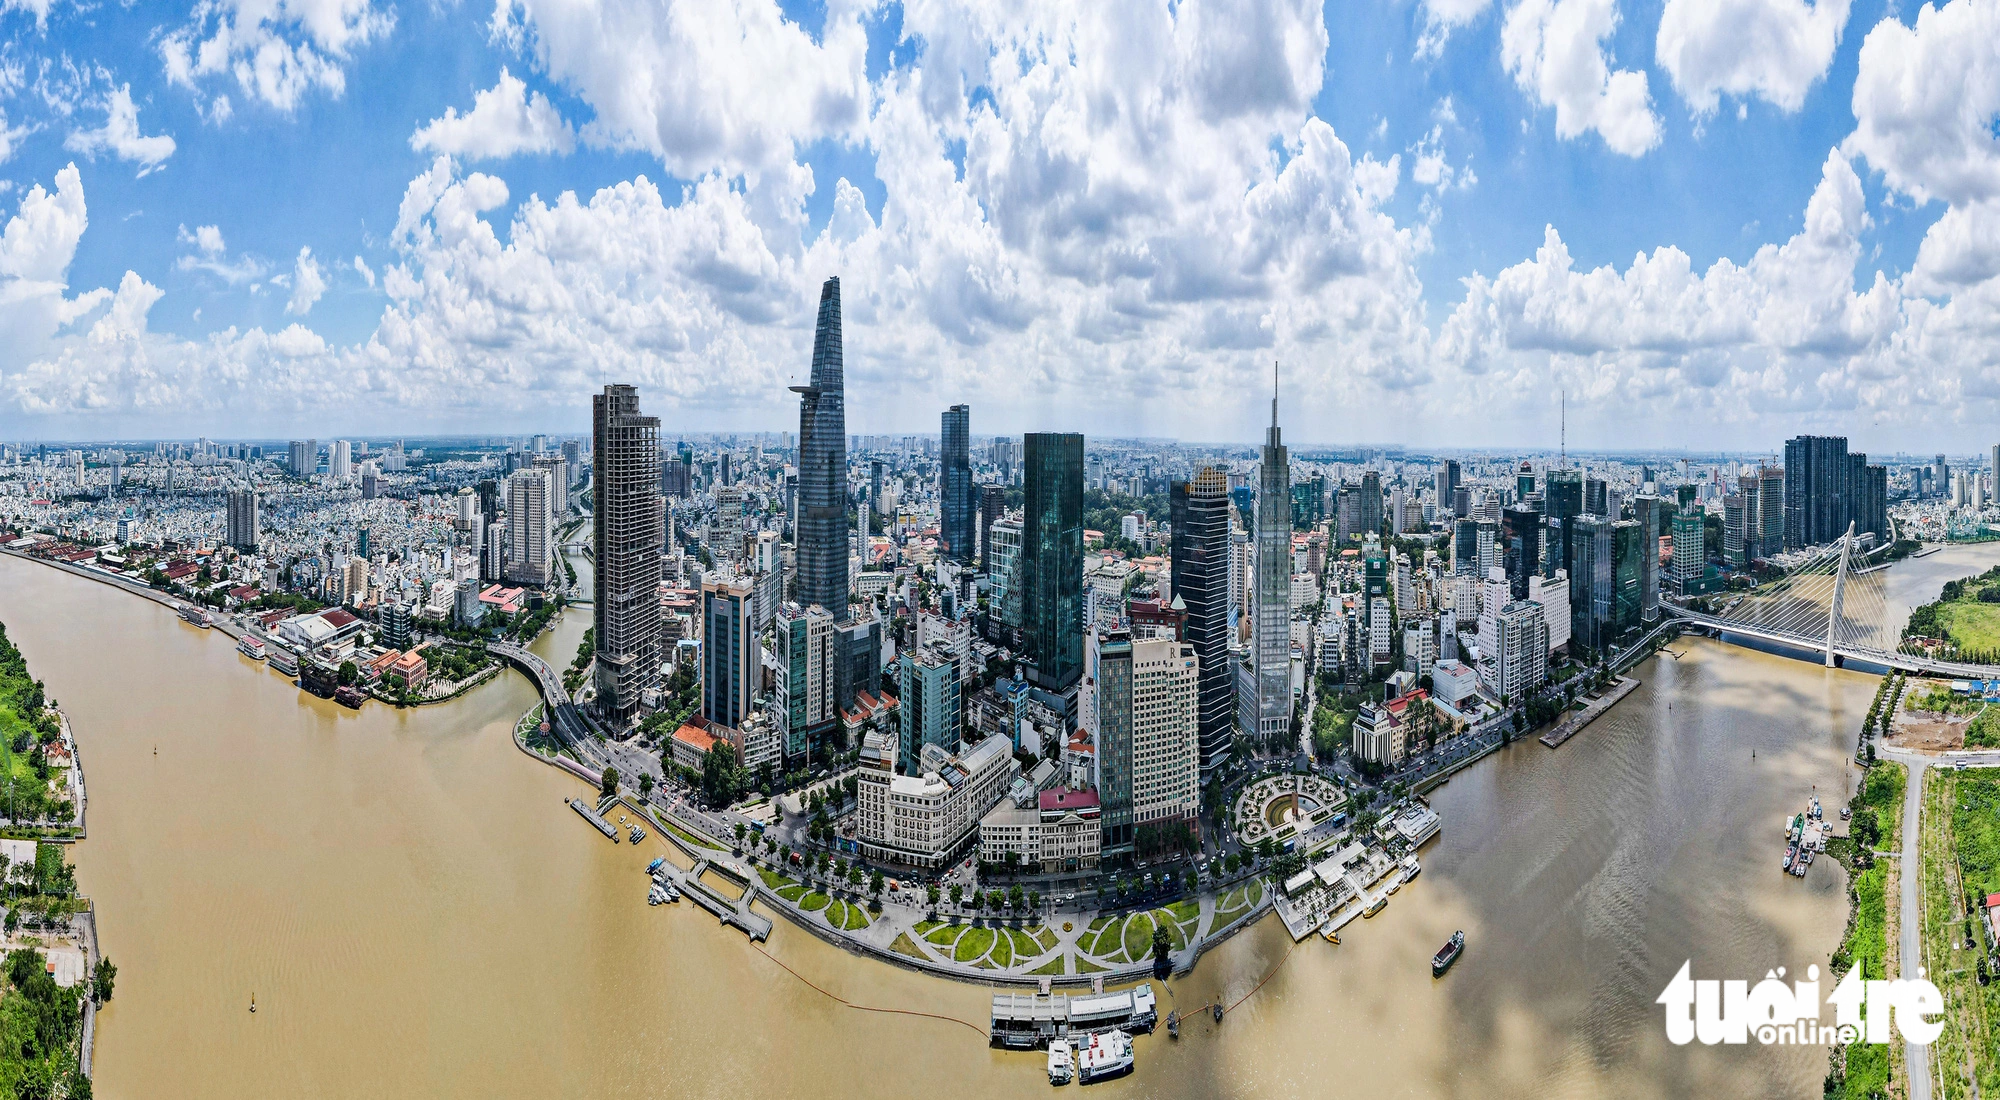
(594,818)
(735,912)
(1572,725)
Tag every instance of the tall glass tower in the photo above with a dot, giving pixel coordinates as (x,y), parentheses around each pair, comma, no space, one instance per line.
(1264,703)
(822,520)
(629,526)
(1052,560)
(956,522)
(1200,553)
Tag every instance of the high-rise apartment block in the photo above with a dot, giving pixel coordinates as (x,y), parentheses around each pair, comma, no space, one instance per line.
(242,519)
(955,496)
(629,526)
(529,549)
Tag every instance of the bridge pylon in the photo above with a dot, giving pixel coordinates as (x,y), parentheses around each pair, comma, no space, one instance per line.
(1839,583)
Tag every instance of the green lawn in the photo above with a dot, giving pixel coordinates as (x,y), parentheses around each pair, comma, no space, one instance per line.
(1185,911)
(973,944)
(814,902)
(791,893)
(1867,1063)
(905,946)
(1139,936)
(1882,792)
(944,935)
(1053,966)
(1025,945)
(846,916)
(1085,966)
(1973,867)
(1003,949)
(773,879)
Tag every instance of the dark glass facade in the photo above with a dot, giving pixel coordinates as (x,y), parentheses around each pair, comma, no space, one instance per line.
(1200,562)
(822,520)
(955,521)
(1052,559)
(629,526)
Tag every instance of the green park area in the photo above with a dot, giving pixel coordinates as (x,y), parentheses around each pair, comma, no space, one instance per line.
(1966,614)
(1961,866)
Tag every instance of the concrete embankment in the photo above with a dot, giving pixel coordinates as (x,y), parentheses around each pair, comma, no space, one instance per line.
(1575,722)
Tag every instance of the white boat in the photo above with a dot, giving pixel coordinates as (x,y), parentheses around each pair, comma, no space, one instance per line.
(1061,1068)
(1411,868)
(251,647)
(196,615)
(1108,1055)
(282,659)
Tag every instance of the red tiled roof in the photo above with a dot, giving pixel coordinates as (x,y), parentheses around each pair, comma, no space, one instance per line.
(337,618)
(1064,799)
(688,734)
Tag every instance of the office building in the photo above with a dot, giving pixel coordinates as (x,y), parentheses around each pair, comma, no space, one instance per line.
(1003,577)
(1590,582)
(1165,765)
(821,524)
(1521,662)
(930,699)
(629,526)
(1052,564)
(1199,557)
(955,495)
(1827,489)
(730,654)
(1646,513)
(242,519)
(1521,546)
(1690,551)
(802,704)
(1114,743)
(1264,683)
(992,505)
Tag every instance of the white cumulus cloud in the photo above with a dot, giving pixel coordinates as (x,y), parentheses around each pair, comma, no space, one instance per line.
(1555,50)
(120,135)
(276,50)
(307,284)
(1776,49)
(504,120)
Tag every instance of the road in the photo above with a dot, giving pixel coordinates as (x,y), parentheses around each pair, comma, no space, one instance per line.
(1916,1058)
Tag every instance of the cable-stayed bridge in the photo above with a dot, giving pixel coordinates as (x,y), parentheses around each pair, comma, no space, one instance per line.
(1834,603)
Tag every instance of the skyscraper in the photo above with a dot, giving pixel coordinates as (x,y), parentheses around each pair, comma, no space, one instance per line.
(992,504)
(1114,741)
(1264,687)
(822,520)
(243,519)
(729,651)
(528,493)
(1052,562)
(340,460)
(1827,488)
(802,705)
(1200,563)
(955,499)
(629,527)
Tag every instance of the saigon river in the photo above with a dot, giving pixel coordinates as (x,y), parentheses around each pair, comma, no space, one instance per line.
(418,914)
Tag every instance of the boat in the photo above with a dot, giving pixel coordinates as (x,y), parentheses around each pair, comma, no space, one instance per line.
(1108,1055)
(1791,856)
(1812,808)
(654,867)
(638,834)
(1411,868)
(1448,954)
(657,895)
(282,659)
(196,615)
(1061,1068)
(1846,812)
(1375,906)
(347,695)
(1395,884)
(251,646)
(1332,938)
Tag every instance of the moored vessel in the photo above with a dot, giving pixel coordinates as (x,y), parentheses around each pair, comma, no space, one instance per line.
(1061,1069)
(1108,1055)
(251,646)
(1448,954)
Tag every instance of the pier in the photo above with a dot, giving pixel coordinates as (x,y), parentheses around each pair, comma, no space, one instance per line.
(735,912)
(594,818)
(1575,722)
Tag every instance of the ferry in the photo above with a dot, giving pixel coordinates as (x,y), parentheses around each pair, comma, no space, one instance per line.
(195,615)
(1061,1068)
(251,646)
(1411,868)
(349,696)
(1448,954)
(282,659)
(1108,1055)
(1375,906)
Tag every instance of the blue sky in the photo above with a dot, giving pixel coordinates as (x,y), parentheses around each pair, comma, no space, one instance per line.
(1434,213)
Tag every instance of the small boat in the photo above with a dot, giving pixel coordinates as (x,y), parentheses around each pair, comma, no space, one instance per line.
(253,1002)
(638,834)
(1375,906)
(1061,1068)
(1411,868)
(1218,1012)
(1174,1024)
(1846,812)
(1448,954)
(1108,1055)
(1333,938)
(658,862)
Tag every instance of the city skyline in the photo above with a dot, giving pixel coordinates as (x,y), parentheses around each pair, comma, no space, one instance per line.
(1449,207)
